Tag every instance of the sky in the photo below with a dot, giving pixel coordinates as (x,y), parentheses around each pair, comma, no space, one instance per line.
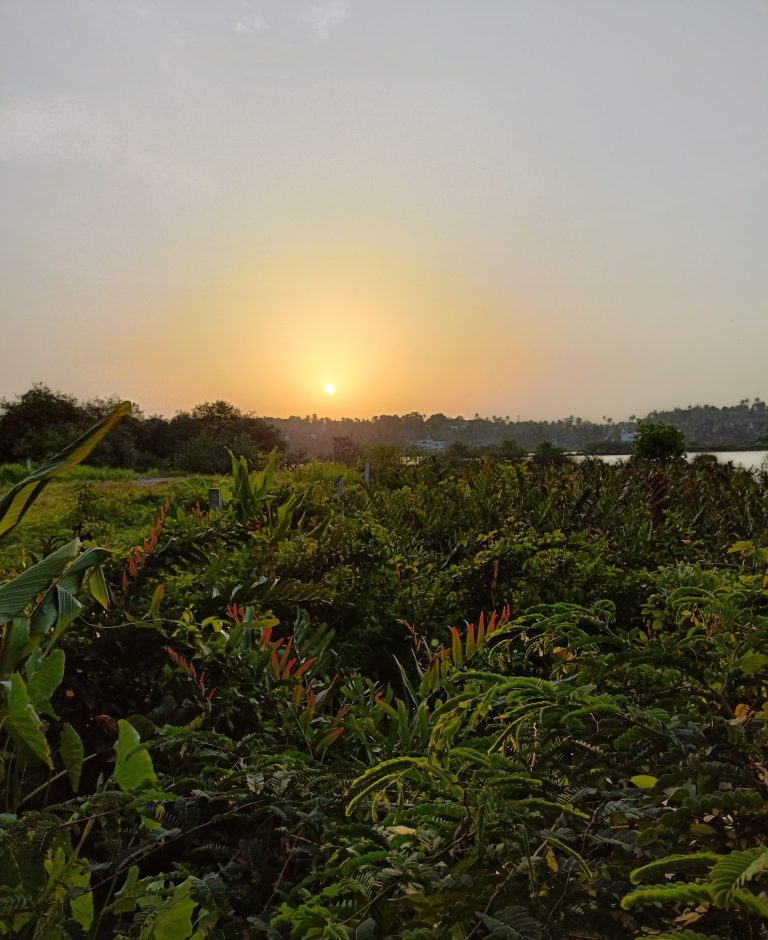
(506,207)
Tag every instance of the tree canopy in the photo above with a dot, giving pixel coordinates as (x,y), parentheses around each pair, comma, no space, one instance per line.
(658,441)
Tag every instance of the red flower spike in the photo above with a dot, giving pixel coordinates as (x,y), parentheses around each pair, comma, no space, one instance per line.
(286,653)
(302,669)
(287,669)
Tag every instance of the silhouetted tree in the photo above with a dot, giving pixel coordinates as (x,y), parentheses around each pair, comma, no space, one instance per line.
(38,423)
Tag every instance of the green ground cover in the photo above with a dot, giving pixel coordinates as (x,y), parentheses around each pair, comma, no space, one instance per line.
(483,699)
(102,507)
(11,473)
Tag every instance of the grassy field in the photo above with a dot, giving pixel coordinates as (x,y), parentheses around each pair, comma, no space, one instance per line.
(11,473)
(114,512)
(115,507)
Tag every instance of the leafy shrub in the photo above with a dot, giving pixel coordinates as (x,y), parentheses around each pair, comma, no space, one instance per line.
(294,721)
(658,441)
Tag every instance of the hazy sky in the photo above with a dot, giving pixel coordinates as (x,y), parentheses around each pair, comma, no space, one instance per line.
(496,206)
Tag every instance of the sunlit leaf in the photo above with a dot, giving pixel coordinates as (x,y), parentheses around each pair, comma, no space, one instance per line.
(133,765)
(72,753)
(25,724)
(18,499)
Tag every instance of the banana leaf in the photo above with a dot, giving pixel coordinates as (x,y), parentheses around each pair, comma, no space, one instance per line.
(24,588)
(17,500)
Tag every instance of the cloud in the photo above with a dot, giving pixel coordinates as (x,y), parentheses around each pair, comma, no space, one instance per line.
(56,128)
(60,129)
(326,15)
(251,23)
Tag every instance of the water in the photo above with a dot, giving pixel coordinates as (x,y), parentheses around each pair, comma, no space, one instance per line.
(751,459)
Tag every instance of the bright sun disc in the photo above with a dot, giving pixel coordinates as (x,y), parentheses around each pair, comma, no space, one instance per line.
(330,389)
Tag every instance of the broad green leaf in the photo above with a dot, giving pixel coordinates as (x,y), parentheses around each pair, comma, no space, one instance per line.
(754,663)
(97,585)
(23,589)
(25,724)
(367,930)
(72,753)
(43,678)
(125,898)
(81,905)
(14,644)
(157,597)
(18,499)
(57,611)
(72,579)
(55,865)
(133,765)
(82,909)
(644,781)
(743,546)
(174,919)
(60,606)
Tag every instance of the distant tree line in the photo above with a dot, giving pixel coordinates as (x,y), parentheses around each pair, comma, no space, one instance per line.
(708,426)
(704,427)
(41,421)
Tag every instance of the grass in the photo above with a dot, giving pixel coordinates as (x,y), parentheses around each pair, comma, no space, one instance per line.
(115,512)
(110,507)
(12,473)
(320,471)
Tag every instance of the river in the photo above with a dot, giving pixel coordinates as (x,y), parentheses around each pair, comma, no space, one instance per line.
(751,459)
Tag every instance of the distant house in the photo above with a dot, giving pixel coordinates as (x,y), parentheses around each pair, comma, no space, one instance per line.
(429,445)
(626,437)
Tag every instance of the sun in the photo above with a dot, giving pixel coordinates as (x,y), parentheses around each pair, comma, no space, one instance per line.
(330,389)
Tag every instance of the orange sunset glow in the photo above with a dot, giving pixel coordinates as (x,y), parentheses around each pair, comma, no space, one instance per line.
(211,201)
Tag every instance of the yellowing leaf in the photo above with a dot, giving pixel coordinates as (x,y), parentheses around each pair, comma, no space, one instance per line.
(551,860)
(98,586)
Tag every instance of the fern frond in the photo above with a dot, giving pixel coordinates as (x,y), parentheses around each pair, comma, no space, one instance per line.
(674,863)
(733,871)
(676,893)
(513,923)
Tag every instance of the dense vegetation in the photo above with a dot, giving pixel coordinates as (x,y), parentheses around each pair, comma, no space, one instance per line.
(40,421)
(474,699)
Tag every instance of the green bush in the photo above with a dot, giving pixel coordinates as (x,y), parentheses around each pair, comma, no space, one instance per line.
(658,441)
(295,721)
